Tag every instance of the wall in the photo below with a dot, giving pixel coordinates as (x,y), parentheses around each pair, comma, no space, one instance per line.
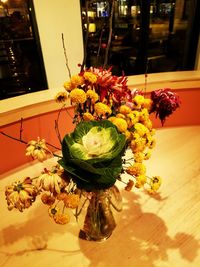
(53,19)
(13,152)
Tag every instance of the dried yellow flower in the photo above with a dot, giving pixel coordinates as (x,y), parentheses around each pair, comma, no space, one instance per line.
(21,195)
(37,149)
(61,97)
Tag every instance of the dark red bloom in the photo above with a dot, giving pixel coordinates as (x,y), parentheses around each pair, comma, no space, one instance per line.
(165,102)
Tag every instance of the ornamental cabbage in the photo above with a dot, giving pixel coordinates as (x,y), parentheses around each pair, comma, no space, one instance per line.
(92,154)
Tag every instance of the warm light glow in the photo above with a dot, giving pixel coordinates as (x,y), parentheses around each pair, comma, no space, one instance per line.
(92,27)
(4,1)
(91,14)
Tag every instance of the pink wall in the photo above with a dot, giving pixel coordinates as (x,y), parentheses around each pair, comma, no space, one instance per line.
(13,153)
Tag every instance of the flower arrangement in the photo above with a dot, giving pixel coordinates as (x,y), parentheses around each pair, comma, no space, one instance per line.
(110,119)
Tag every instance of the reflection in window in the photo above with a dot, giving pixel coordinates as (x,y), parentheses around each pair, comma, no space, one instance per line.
(147,36)
(21,65)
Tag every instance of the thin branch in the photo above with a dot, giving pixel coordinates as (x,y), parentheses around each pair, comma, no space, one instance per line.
(57,125)
(145,83)
(58,148)
(14,138)
(65,54)
(21,129)
(86,37)
(110,34)
(24,142)
(99,47)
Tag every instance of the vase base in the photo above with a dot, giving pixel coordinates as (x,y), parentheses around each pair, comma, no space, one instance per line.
(84,236)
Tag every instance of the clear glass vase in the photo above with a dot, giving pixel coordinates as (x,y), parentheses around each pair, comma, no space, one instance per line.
(98,212)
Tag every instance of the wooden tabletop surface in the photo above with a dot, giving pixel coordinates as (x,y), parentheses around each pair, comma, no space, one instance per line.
(153,231)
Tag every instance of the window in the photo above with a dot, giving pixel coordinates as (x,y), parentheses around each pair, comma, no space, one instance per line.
(147,36)
(21,64)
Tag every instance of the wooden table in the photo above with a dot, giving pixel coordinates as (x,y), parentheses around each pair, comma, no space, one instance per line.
(153,231)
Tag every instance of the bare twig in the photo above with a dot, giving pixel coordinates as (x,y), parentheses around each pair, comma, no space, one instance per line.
(58,148)
(14,138)
(86,37)
(99,47)
(21,129)
(65,54)
(57,125)
(110,33)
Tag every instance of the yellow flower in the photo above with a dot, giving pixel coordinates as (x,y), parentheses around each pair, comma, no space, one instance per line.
(147,155)
(76,80)
(133,118)
(136,169)
(153,143)
(21,195)
(121,124)
(138,157)
(61,97)
(58,216)
(89,76)
(138,101)
(140,129)
(120,115)
(61,218)
(37,149)
(68,86)
(150,140)
(77,96)
(112,119)
(124,109)
(147,103)
(102,109)
(155,183)
(71,201)
(144,115)
(127,134)
(141,180)
(92,95)
(153,132)
(88,116)
(138,144)
(148,123)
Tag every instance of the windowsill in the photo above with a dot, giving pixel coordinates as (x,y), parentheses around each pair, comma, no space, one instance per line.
(25,106)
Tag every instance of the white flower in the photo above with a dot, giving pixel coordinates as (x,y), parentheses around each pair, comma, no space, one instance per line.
(50,180)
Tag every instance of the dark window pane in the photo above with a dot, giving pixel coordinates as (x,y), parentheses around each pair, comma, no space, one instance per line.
(147,36)
(21,64)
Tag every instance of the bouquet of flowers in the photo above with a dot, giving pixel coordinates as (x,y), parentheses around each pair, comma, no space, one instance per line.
(110,119)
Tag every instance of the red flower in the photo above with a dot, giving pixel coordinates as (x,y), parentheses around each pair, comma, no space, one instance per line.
(165,102)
